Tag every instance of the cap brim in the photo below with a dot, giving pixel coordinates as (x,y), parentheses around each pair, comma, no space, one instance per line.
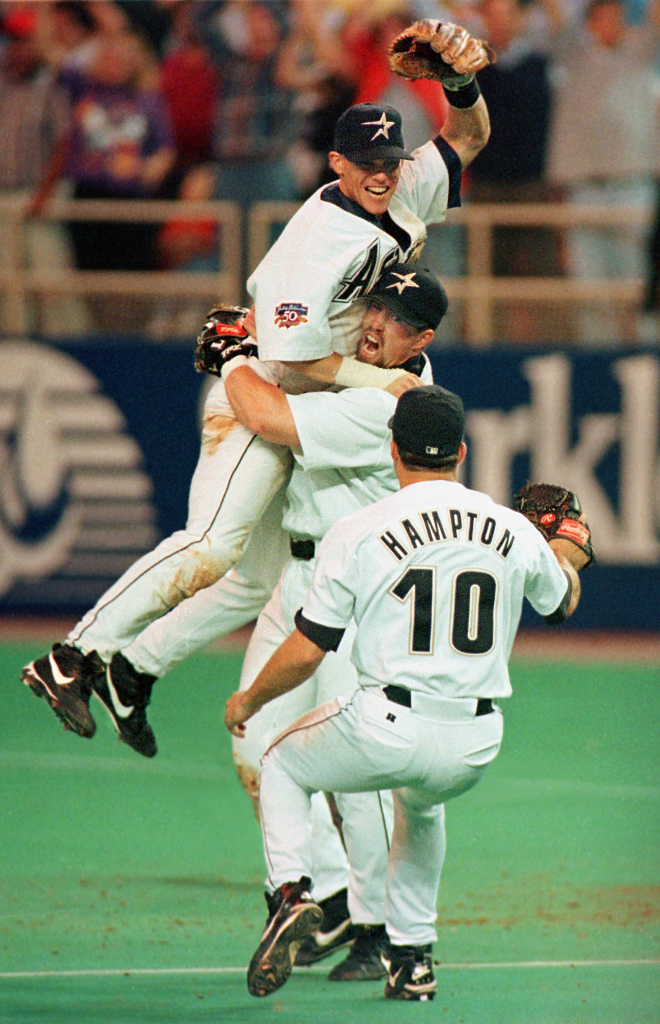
(394,303)
(378,153)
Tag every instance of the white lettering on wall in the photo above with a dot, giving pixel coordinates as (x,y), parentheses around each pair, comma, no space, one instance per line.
(559,454)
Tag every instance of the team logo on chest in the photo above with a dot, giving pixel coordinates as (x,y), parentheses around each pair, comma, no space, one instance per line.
(290,314)
(370,270)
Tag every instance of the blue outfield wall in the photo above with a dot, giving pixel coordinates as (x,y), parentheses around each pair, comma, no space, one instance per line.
(98,442)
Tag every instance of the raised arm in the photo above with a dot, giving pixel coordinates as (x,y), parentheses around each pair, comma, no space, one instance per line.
(466,130)
(447,53)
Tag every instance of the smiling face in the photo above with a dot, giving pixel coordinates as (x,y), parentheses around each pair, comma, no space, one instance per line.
(386,339)
(371,185)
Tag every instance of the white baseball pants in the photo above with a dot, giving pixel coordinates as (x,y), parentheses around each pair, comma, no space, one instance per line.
(366,743)
(229,604)
(366,817)
(237,477)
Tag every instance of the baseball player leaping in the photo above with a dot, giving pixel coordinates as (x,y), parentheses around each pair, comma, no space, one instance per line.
(435,576)
(332,252)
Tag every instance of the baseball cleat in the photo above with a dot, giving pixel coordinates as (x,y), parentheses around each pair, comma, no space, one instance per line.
(410,970)
(125,693)
(336,932)
(364,962)
(64,679)
(292,916)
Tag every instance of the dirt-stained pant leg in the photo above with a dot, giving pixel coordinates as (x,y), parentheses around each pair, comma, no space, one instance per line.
(366,817)
(212,613)
(236,478)
(330,867)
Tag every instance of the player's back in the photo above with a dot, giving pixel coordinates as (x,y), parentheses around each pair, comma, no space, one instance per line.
(439,573)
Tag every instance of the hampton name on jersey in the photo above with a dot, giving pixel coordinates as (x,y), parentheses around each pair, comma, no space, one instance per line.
(445,569)
(332,252)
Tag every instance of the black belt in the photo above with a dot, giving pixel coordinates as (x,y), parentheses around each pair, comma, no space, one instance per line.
(303,549)
(401,695)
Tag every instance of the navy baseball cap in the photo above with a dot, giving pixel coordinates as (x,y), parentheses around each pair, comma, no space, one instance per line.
(428,422)
(416,296)
(369,132)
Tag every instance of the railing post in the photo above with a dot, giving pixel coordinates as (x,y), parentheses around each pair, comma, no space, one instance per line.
(230,250)
(16,316)
(479,310)
(261,218)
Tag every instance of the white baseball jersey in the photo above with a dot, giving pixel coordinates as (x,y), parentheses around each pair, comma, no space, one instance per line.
(345,462)
(333,252)
(435,576)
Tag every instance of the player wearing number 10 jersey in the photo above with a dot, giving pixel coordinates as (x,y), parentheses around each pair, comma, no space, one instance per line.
(447,570)
(434,576)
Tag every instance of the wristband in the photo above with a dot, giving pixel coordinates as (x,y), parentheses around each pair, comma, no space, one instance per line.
(464,97)
(231,364)
(352,374)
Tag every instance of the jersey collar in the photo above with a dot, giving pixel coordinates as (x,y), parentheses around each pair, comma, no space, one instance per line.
(333,194)
(414,365)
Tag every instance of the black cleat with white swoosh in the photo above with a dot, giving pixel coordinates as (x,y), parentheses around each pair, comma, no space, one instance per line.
(292,916)
(364,961)
(336,932)
(410,973)
(64,678)
(125,693)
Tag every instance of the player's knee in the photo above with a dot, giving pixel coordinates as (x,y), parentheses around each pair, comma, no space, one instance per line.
(196,570)
(249,779)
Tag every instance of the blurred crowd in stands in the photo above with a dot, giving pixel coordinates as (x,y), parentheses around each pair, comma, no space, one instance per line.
(236,99)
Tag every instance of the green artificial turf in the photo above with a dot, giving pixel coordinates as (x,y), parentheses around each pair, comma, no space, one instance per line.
(113,863)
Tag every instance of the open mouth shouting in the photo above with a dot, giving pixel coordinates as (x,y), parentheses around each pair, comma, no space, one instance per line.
(370,347)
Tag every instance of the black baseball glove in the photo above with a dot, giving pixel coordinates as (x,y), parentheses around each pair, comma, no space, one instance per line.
(441,51)
(556,512)
(222,338)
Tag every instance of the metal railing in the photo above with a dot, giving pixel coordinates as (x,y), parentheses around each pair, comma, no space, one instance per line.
(479,290)
(18,282)
(243,245)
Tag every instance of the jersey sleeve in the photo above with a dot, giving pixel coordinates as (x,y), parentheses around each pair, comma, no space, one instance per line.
(431,183)
(292,312)
(344,430)
(330,600)
(546,583)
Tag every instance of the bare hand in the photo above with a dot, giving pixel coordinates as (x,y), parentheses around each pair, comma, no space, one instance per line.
(250,324)
(573,554)
(404,383)
(237,712)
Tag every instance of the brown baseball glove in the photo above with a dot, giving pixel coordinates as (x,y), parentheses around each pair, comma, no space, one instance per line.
(442,51)
(556,512)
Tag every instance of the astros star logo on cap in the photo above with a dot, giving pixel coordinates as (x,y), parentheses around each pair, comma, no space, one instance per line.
(384,129)
(405,281)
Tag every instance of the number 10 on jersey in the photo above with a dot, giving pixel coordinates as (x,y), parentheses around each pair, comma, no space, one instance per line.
(471,609)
